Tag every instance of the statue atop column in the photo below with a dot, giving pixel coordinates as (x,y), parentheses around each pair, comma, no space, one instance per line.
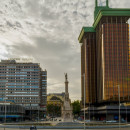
(66,76)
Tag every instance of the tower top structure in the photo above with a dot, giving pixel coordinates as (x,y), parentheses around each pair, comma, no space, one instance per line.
(98,8)
(66,77)
(104,11)
(96,3)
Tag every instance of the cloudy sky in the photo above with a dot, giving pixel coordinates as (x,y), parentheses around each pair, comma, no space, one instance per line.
(47,31)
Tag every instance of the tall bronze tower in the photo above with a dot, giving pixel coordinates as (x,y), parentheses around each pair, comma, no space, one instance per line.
(105,58)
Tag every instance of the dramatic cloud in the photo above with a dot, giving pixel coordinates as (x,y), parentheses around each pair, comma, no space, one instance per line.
(47,31)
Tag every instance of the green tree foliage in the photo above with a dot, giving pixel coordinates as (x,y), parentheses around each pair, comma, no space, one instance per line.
(76,107)
(53,110)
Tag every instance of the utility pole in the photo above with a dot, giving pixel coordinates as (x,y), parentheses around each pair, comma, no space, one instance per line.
(5,106)
(84,101)
(119,104)
(126,114)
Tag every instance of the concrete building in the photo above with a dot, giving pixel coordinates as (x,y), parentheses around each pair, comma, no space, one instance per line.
(105,58)
(56,99)
(25,84)
(54,104)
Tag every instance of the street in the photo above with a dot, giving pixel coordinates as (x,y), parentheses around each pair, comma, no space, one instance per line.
(65,129)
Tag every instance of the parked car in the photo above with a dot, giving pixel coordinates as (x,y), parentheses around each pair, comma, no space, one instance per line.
(87,120)
(43,119)
(111,121)
(123,121)
(33,128)
(75,120)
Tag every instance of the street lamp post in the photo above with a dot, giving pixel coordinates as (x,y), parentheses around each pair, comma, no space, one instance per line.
(89,111)
(5,109)
(126,114)
(84,101)
(38,114)
(22,111)
(119,103)
(5,106)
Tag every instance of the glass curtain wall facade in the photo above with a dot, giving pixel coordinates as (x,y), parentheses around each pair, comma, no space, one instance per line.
(113,59)
(88,67)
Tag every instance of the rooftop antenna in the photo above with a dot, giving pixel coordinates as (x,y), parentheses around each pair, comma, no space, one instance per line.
(107,4)
(96,3)
(100,4)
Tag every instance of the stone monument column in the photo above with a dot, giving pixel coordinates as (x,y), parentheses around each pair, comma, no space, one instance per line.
(66,83)
(67,109)
(66,88)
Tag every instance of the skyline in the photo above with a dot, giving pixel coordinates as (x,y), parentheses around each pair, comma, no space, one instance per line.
(49,35)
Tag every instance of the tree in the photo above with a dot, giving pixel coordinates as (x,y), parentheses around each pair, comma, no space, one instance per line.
(76,107)
(53,110)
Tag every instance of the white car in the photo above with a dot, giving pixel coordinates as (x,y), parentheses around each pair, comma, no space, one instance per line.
(43,119)
(111,121)
(87,120)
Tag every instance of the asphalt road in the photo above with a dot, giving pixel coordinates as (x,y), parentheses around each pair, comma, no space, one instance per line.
(65,129)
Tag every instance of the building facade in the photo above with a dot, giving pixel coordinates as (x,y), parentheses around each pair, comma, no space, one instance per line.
(24,83)
(54,104)
(105,58)
(113,58)
(105,64)
(14,113)
(88,65)
(55,99)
